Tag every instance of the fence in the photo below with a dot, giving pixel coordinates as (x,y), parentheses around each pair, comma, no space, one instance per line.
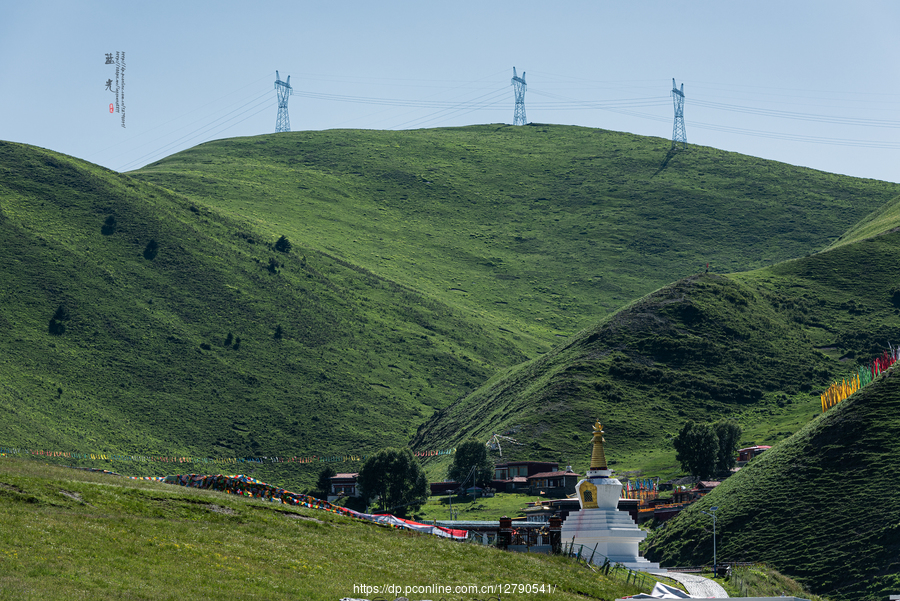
(616,571)
(738,578)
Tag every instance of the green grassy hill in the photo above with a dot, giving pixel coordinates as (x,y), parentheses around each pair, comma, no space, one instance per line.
(883,219)
(539,230)
(175,353)
(820,506)
(423,264)
(757,346)
(76,535)
(426,264)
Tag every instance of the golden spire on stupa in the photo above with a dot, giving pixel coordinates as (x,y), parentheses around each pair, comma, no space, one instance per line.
(598,458)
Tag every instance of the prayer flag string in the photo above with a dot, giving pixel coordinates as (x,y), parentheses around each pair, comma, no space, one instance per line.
(864,376)
(9,450)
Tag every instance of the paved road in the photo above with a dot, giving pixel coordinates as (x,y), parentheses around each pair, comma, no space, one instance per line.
(698,586)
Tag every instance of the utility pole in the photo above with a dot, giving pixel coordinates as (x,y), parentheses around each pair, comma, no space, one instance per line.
(678,132)
(713,514)
(519,86)
(284,89)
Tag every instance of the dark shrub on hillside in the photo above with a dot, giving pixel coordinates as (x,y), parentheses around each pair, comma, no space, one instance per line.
(283,245)
(56,325)
(109,226)
(150,250)
(323,484)
(62,314)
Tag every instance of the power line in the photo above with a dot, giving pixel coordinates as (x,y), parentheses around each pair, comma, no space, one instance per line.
(266,99)
(799,137)
(489,100)
(156,127)
(378,101)
(488,77)
(443,109)
(882,123)
(572,104)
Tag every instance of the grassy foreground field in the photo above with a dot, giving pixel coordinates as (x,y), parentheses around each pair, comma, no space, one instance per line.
(482,508)
(68,534)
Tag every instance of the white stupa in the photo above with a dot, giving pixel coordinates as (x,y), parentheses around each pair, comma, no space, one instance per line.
(603,530)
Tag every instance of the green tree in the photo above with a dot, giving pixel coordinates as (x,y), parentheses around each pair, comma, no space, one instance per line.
(109,226)
(729,434)
(471,454)
(283,245)
(697,449)
(395,477)
(151,249)
(56,325)
(323,484)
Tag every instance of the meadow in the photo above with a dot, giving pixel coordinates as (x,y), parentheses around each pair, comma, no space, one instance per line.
(69,534)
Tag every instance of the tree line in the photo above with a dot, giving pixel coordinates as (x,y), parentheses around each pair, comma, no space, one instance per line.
(394,478)
(707,449)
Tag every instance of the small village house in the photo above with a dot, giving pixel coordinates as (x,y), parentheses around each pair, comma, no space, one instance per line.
(343,485)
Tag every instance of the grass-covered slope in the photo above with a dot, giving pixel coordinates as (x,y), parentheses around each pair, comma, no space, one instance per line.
(883,219)
(821,506)
(423,263)
(756,346)
(74,535)
(149,362)
(540,230)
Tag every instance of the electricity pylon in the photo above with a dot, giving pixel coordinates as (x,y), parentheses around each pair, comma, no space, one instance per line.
(284,89)
(678,132)
(519,88)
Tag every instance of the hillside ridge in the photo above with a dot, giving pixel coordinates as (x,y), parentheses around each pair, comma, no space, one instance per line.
(540,230)
(756,346)
(177,354)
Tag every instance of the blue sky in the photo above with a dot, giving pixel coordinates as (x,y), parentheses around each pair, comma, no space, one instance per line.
(808,83)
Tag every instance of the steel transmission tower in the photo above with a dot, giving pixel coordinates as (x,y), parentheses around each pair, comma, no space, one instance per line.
(678,132)
(519,88)
(284,89)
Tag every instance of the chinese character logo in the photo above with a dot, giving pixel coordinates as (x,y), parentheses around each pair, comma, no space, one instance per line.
(109,85)
(109,59)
